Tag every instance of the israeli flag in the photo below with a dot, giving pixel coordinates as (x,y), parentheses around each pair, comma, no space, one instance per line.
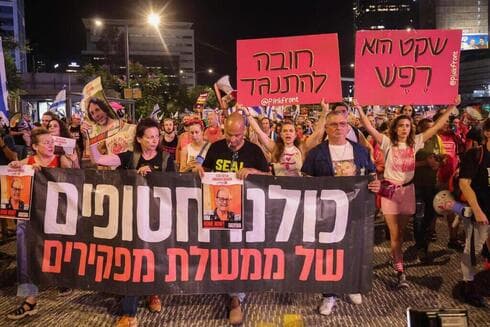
(58,105)
(3,89)
(269,112)
(256,111)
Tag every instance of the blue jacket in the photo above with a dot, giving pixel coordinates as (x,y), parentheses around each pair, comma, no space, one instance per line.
(319,162)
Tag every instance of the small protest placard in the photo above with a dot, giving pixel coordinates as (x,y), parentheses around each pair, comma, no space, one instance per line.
(222,195)
(16,192)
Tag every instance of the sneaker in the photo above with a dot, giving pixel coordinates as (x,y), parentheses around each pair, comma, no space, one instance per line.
(236,314)
(402,280)
(154,303)
(355,298)
(64,291)
(328,303)
(127,321)
(26,309)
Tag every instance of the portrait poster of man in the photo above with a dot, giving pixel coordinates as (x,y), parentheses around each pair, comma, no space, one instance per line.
(222,195)
(16,192)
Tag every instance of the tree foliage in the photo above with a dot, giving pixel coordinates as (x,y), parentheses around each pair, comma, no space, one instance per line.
(156,88)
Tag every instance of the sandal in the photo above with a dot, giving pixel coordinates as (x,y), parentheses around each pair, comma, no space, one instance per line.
(21,312)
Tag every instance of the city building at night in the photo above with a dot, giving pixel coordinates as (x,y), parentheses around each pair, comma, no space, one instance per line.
(12,25)
(169,47)
(385,14)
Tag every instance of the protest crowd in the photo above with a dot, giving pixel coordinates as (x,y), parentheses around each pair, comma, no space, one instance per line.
(440,148)
(409,153)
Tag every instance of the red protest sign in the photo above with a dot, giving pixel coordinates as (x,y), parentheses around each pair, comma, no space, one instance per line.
(288,70)
(407,67)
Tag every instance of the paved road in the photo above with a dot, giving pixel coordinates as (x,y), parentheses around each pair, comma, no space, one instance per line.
(431,286)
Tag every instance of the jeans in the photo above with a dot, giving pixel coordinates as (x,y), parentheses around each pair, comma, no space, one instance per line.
(480,232)
(423,220)
(129,305)
(26,287)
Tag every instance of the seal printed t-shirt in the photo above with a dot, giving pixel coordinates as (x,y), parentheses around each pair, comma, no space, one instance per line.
(400,159)
(221,159)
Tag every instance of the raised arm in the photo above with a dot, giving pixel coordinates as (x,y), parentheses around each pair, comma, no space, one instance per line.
(263,138)
(316,137)
(111,160)
(441,121)
(377,136)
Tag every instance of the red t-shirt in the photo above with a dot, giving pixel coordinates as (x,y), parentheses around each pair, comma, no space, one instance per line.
(55,163)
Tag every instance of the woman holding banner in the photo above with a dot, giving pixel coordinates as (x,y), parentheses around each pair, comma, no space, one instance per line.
(44,157)
(145,158)
(397,189)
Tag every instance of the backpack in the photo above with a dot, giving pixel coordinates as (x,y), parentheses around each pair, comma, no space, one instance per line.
(137,156)
(454,180)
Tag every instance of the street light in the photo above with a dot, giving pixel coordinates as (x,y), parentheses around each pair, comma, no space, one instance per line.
(153,19)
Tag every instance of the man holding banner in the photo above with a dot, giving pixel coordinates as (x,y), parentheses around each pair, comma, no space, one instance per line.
(235,154)
(339,156)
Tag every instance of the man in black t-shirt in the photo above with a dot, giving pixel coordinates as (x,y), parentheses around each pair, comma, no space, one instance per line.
(235,154)
(474,182)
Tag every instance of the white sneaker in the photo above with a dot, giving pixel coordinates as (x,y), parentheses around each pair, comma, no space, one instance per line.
(355,298)
(328,303)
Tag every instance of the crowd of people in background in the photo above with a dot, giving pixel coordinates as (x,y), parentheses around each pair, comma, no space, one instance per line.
(409,155)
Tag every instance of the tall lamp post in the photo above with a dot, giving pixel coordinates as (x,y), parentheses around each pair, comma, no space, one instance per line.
(152,19)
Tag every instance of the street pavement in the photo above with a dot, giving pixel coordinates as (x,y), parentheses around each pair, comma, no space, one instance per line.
(431,286)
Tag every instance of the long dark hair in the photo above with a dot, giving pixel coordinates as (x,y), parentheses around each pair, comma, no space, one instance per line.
(103,105)
(279,148)
(394,136)
(142,126)
(63,129)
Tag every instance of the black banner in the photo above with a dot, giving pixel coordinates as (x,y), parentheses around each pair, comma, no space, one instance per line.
(119,232)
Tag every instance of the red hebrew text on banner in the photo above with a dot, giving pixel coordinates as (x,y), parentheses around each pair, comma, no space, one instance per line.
(288,70)
(407,67)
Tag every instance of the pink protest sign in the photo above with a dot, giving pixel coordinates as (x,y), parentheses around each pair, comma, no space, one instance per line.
(288,70)
(407,67)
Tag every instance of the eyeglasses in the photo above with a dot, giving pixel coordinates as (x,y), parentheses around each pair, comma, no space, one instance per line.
(223,199)
(336,125)
(16,189)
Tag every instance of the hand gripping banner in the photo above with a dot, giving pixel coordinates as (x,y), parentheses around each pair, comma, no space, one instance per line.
(117,231)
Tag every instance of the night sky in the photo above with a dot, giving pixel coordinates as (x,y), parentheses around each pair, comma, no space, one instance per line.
(55,31)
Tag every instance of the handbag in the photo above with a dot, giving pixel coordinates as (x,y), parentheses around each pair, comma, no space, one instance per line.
(387,189)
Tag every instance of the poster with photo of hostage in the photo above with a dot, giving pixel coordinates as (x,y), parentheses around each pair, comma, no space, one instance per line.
(222,200)
(16,192)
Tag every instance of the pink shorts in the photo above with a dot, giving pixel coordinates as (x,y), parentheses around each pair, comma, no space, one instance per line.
(402,202)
